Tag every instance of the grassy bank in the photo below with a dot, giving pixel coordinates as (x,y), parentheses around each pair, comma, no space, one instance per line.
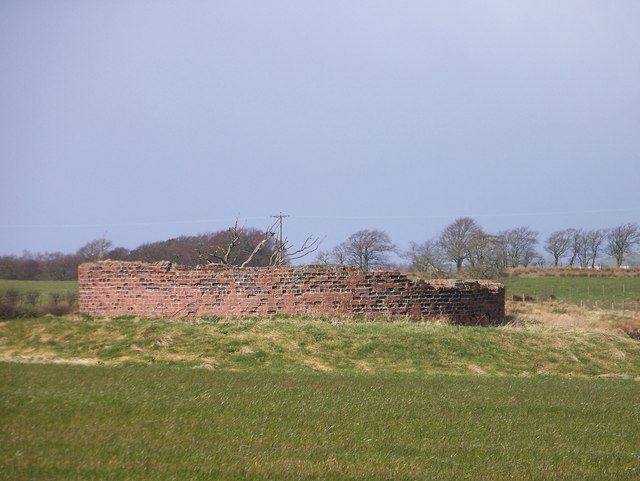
(72,422)
(296,344)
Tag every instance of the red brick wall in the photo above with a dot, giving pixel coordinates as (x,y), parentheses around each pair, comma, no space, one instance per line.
(166,290)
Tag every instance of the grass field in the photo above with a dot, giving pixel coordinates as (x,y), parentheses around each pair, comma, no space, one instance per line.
(44,292)
(117,423)
(602,292)
(45,287)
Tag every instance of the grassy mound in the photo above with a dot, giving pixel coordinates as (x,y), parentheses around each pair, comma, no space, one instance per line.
(295,344)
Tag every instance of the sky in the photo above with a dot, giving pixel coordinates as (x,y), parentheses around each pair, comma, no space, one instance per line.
(142,121)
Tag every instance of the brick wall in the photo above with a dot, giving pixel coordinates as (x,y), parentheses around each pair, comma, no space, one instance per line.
(165,290)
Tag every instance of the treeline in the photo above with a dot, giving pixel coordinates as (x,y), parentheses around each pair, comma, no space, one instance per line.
(462,245)
(233,246)
(465,245)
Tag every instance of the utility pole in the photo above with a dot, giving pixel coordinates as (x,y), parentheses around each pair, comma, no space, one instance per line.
(280,257)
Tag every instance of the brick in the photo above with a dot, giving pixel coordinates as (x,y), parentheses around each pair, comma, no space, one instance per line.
(153,290)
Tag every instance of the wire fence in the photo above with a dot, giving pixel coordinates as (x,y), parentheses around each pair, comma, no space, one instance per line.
(603,297)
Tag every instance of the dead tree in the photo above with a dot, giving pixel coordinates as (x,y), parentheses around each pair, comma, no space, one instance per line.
(231,251)
(284,254)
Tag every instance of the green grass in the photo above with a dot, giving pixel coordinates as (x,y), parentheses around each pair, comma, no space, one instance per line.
(126,423)
(298,344)
(589,290)
(46,288)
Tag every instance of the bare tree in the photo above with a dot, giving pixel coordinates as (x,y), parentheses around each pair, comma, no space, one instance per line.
(95,250)
(575,244)
(323,258)
(427,258)
(593,241)
(557,244)
(519,246)
(581,247)
(339,254)
(455,238)
(287,253)
(368,248)
(485,254)
(621,240)
(235,250)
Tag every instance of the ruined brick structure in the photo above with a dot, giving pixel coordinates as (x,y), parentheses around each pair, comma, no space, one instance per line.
(165,290)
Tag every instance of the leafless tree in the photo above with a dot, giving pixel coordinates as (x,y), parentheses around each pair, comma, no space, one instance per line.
(621,240)
(95,250)
(575,244)
(339,254)
(581,248)
(287,253)
(368,248)
(427,258)
(455,238)
(519,246)
(557,244)
(323,258)
(485,254)
(235,252)
(593,241)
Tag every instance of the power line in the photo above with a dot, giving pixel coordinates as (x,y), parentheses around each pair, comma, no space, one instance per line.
(331,217)
(452,216)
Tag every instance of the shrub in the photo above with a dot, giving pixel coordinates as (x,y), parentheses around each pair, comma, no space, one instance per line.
(55,298)
(7,311)
(57,309)
(12,297)
(31,298)
(72,298)
(13,312)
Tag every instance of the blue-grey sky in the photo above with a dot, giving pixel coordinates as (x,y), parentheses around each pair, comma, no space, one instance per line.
(145,120)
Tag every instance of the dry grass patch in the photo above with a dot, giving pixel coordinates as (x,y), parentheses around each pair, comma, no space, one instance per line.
(569,316)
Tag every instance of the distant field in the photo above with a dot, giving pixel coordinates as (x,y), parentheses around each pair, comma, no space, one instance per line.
(588,291)
(76,422)
(567,271)
(45,288)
